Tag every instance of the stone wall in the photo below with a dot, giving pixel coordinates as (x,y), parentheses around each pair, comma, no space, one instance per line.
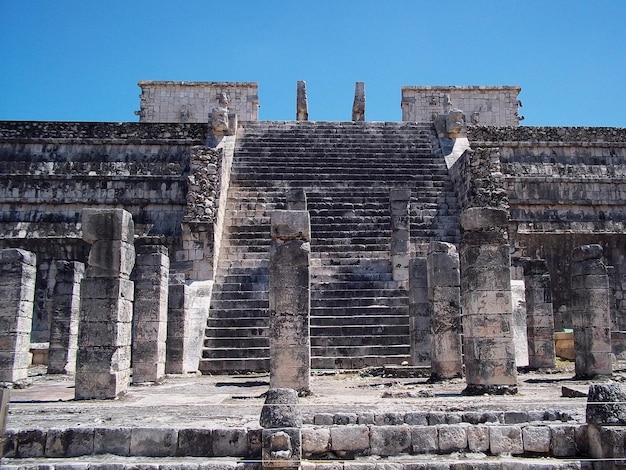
(193,101)
(484,105)
(566,187)
(50,171)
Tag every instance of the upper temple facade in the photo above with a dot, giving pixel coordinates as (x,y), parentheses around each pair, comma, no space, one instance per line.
(201,175)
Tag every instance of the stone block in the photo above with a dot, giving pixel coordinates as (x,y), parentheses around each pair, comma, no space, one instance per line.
(350,441)
(315,441)
(103,334)
(80,441)
(564,440)
(231,442)
(452,438)
(111,258)
(95,384)
(536,439)
(505,440)
(323,419)
(154,442)
(195,443)
(56,443)
(289,225)
(114,441)
(30,443)
(290,326)
(478,218)
(281,409)
(107,224)
(424,439)
(345,418)
(390,440)
(478,438)
(416,418)
(105,289)
(389,419)
(282,447)
(365,417)
(606,404)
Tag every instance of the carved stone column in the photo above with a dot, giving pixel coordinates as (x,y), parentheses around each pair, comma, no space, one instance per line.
(150,314)
(106,309)
(399,200)
(302,104)
(445,307)
(486,301)
(358,107)
(64,317)
(591,312)
(539,314)
(419,312)
(17,287)
(290,300)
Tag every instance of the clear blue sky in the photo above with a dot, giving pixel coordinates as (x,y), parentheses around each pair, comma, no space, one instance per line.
(81,60)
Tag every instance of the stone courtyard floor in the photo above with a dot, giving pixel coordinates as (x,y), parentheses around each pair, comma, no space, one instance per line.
(236,400)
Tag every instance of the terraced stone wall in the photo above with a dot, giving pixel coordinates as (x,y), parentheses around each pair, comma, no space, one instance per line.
(566,187)
(50,171)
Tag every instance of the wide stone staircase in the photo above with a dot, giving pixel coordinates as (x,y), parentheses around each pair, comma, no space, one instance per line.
(359,314)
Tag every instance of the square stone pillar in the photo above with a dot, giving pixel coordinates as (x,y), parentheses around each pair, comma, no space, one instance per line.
(419,313)
(64,317)
(399,200)
(150,313)
(187,313)
(444,295)
(17,295)
(591,312)
(539,314)
(487,319)
(106,307)
(290,300)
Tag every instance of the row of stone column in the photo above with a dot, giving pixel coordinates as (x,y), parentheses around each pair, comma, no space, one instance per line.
(437,298)
(358,105)
(100,317)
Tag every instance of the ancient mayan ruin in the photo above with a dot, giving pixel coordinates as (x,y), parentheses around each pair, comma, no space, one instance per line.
(433,262)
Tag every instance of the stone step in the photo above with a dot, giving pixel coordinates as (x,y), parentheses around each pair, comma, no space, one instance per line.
(363,331)
(252,294)
(222,365)
(357,320)
(360,351)
(242,352)
(357,362)
(235,315)
(329,291)
(225,343)
(363,302)
(240,328)
(372,310)
(319,341)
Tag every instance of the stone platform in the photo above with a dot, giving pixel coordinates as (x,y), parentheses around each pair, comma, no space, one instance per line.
(358,417)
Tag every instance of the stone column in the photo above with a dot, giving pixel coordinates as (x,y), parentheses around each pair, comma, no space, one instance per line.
(539,315)
(302,104)
(606,425)
(17,290)
(281,420)
(444,296)
(150,313)
(419,313)
(400,234)
(591,312)
(358,106)
(187,314)
(106,307)
(486,302)
(290,300)
(64,317)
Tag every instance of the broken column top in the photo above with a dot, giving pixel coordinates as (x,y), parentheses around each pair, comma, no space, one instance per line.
(16,255)
(441,247)
(107,224)
(585,252)
(290,225)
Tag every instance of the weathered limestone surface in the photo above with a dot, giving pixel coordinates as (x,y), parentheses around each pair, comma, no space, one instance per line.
(519,324)
(419,312)
(445,301)
(358,106)
(106,309)
(591,313)
(171,101)
(290,300)
(486,105)
(17,289)
(539,315)
(281,420)
(150,313)
(606,419)
(302,104)
(64,317)
(399,200)
(188,310)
